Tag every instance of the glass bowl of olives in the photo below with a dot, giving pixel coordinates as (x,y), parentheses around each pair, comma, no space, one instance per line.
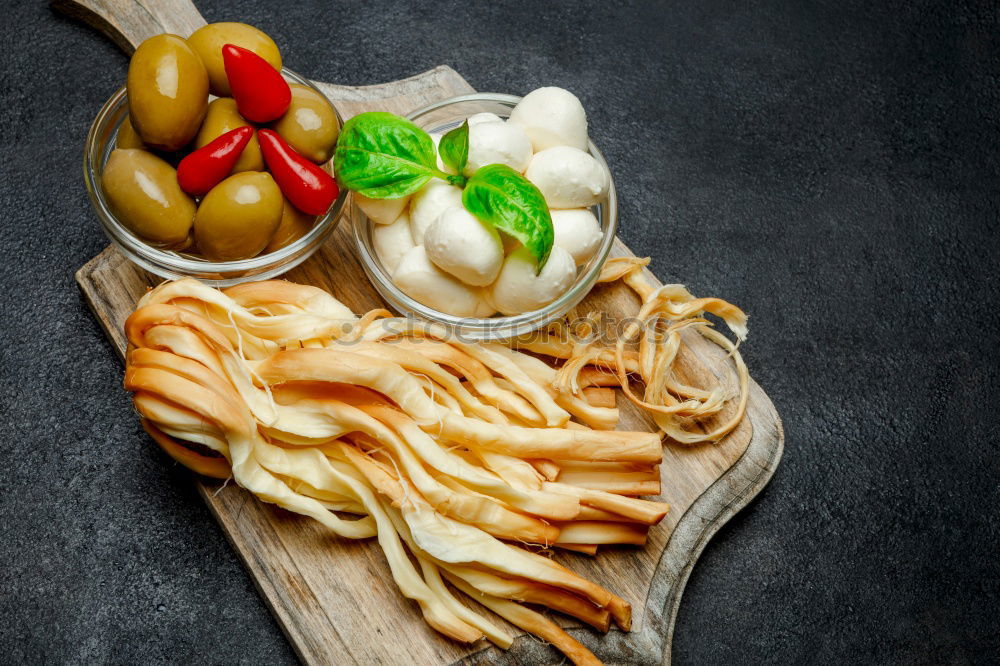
(295,238)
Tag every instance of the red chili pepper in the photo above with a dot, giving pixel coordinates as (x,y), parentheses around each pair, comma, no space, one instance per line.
(261,94)
(205,168)
(309,188)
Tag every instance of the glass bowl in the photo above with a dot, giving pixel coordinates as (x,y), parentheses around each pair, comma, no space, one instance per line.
(170,264)
(441,117)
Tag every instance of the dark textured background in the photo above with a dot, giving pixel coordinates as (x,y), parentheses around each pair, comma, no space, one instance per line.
(832,167)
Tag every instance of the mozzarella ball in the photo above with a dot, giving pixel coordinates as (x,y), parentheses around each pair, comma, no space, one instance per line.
(552,117)
(381,211)
(518,289)
(392,241)
(577,232)
(568,177)
(497,143)
(423,281)
(509,242)
(463,245)
(485,117)
(427,204)
(436,138)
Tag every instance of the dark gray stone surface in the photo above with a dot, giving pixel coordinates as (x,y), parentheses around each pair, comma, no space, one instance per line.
(832,167)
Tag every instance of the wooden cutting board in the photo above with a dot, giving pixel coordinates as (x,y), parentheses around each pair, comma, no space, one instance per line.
(334,598)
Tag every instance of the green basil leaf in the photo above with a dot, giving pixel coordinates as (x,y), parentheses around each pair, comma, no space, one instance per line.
(383,156)
(454,148)
(500,196)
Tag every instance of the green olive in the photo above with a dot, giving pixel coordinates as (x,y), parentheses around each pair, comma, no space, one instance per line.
(208,41)
(167,92)
(127,136)
(223,117)
(237,218)
(309,125)
(294,225)
(143,193)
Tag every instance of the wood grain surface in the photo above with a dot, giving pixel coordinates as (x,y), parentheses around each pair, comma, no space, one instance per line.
(333,597)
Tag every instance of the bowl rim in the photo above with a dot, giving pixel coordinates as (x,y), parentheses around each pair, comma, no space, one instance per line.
(505,325)
(171,261)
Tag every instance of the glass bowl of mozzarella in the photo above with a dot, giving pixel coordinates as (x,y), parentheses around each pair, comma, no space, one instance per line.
(432,260)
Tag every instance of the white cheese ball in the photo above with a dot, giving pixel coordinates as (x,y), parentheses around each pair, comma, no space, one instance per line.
(426,283)
(518,289)
(568,177)
(392,241)
(427,204)
(552,117)
(578,232)
(509,242)
(436,138)
(485,117)
(381,211)
(497,143)
(463,245)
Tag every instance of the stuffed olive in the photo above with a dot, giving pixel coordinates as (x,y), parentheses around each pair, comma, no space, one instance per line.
(223,117)
(208,41)
(238,217)
(309,125)
(167,92)
(294,225)
(142,192)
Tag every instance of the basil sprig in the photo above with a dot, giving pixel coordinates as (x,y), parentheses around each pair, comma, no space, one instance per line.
(454,148)
(504,198)
(383,156)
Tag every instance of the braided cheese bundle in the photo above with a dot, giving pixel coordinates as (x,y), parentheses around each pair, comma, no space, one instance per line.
(471,457)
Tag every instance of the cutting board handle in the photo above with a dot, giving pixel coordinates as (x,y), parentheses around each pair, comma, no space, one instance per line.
(129,22)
